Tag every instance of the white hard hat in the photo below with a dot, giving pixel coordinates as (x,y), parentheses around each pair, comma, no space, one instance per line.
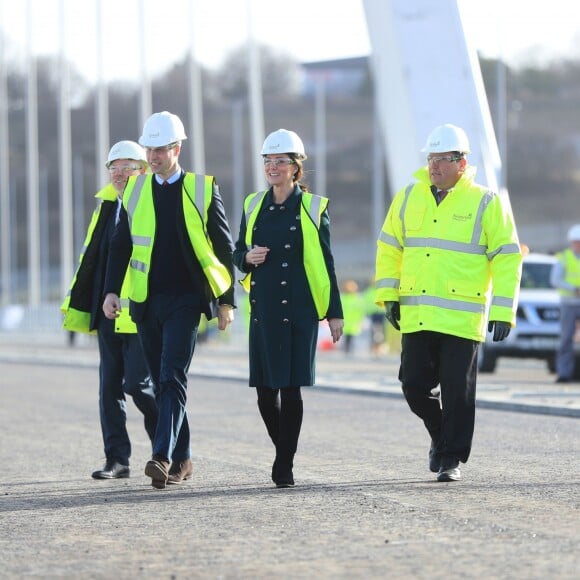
(574,233)
(126,150)
(283,141)
(447,138)
(162,129)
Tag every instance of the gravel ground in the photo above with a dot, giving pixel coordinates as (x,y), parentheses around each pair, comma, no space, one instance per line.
(365,504)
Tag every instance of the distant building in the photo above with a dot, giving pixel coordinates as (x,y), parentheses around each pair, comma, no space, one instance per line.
(342,77)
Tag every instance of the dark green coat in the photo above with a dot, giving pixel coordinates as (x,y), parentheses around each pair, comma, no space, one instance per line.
(283,319)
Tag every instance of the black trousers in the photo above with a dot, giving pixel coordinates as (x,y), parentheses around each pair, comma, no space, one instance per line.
(122,371)
(429,359)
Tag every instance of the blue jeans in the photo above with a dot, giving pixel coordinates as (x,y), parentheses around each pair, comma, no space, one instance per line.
(168,332)
(122,371)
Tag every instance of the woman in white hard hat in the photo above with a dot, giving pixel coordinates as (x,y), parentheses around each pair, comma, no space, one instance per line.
(122,367)
(284,247)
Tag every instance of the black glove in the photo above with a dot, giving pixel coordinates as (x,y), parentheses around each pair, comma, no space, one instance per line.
(500,329)
(393,313)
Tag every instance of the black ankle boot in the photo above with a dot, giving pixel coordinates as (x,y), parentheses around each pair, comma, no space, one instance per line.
(282,474)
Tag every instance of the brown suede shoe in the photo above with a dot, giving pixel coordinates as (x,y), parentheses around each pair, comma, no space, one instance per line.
(180,471)
(158,470)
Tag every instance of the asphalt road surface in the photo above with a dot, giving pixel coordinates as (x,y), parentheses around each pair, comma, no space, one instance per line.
(365,504)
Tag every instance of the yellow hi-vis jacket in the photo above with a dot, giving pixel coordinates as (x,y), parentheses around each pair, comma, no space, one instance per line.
(448,264)
(197,194)
(77,309)
(571,265)
(311,209)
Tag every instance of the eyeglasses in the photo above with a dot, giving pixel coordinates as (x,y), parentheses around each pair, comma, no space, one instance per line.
(162,149)
(443,159)
(278,161)
(124,168)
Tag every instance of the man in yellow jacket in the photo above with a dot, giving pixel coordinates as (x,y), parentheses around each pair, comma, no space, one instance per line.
(565,276)
(448,259)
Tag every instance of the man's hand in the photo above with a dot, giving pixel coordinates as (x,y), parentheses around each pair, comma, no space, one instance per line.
(225,316)
(500,329)
(112,306)
(393,313)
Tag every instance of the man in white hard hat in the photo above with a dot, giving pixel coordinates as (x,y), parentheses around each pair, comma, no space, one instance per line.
(174,235)
(448,252)
(122,367)
(565,277)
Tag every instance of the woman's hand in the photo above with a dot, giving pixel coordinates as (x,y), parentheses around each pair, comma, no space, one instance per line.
(257,255)
(336,325)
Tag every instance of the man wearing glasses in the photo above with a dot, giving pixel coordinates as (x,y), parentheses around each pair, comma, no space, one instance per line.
(122,367)
(448,259)
(174,235)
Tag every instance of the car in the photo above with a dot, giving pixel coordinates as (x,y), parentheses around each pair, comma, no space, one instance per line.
(537,331)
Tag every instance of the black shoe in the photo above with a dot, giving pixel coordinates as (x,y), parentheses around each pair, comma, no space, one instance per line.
(449,469)
(112,470)
(562,380)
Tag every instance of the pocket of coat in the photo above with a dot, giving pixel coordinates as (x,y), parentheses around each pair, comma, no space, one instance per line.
(414,220)
(466,289)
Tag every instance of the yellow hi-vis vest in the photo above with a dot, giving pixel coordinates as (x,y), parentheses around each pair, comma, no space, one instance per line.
(138,201)
(572,271)
(311,210)
(78,319)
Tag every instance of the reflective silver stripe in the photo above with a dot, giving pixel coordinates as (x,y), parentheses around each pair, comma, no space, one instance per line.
(141,240)
(403,207)
(131,205)
(138,265)
(314,210)
(390,240)
(254,202)
(84,248)
(502,301)
(387,283)
(135,195)
(459,305)
(125,302)
(462,247)
(506,249)
(478,224)
(200,195)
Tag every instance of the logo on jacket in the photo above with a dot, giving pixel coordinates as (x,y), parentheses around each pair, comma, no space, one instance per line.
(462,218)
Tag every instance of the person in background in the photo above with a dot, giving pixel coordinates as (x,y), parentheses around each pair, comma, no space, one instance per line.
(376,317)
(565,276)
(354,308)
(447,251)
(284,247)
(174,233)
(122,367)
